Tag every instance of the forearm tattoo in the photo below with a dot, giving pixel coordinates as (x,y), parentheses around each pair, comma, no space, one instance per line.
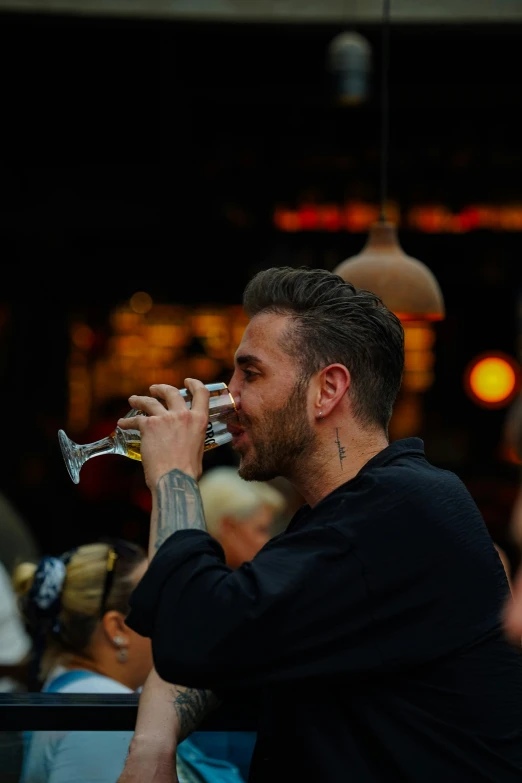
(340,448)
(179,505)
(191,707)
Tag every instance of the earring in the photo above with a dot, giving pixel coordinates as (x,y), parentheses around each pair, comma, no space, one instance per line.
(123,654)
(320,414)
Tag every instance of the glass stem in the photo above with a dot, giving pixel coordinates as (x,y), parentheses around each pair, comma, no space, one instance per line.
(97,448)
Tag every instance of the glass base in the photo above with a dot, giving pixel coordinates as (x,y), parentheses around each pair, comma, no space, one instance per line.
(70,456)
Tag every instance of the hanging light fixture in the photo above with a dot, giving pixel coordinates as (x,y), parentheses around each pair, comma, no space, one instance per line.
(349,64)
(406,285)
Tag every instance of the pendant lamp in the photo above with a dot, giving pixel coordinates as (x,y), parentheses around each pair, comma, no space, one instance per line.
(405,285)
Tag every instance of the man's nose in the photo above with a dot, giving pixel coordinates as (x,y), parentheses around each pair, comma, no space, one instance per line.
(234,391)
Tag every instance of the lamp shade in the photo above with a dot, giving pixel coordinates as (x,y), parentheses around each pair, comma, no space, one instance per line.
(405,285)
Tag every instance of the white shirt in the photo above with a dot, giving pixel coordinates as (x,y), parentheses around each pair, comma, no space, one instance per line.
(15,642)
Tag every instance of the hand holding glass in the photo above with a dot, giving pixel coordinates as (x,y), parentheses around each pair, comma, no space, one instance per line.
(222,410)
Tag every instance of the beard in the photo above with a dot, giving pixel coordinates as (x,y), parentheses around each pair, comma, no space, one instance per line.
(284,436)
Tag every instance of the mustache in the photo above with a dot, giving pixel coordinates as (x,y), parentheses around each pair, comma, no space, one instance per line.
(243,420)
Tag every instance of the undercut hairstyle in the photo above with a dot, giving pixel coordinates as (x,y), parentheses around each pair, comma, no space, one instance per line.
(332,322)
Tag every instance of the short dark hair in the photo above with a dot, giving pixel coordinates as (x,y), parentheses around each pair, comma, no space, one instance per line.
(334,322)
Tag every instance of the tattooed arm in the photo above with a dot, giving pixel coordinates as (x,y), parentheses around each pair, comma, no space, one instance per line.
(176,505)
(191,706)
(172,440)
(167,714)
(172,444)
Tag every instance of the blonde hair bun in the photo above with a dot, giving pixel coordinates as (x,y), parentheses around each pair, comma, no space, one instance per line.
(23,577)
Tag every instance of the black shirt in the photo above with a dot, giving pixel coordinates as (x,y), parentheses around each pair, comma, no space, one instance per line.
(370,631)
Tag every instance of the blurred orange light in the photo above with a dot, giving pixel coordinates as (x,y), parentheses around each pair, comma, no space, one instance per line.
(330,217)
(83,336)
(287,220)
(308,217)
(140,302)
(492,380)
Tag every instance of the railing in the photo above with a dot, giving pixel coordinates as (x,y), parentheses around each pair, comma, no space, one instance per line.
(97,712)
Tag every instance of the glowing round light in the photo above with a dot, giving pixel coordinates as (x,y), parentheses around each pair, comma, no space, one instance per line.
(140,302)
(83,336)
(492,380)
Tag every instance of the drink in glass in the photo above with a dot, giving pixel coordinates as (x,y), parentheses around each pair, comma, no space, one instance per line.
(221,409)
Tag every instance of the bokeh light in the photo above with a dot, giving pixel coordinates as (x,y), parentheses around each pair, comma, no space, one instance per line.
(492,380)
(140,302)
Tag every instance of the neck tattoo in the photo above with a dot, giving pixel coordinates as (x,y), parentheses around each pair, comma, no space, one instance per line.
(340,448)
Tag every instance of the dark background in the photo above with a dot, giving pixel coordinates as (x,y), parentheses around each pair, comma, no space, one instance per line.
(149,155)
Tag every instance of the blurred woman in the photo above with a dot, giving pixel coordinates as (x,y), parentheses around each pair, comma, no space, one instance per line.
(239,514)
(75,606)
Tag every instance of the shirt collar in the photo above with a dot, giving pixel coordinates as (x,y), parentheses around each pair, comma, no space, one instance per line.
(399,448)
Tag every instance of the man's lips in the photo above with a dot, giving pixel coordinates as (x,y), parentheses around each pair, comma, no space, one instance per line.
(235,430)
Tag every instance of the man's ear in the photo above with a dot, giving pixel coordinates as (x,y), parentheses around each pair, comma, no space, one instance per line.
(334,382)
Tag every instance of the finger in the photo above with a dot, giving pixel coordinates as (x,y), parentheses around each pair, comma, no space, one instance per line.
(131,422)
(149,405)
(171,395)
(200,395)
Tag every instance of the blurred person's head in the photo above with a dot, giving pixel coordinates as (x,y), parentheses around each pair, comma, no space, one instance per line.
(239,514)
(515,521)
(504,559)
(75,606)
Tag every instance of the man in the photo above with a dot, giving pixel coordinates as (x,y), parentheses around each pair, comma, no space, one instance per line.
(369,632)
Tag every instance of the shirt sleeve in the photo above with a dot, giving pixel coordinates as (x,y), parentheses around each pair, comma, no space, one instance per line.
(297,610)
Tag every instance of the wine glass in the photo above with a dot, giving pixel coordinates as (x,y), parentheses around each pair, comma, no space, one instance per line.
(221,408)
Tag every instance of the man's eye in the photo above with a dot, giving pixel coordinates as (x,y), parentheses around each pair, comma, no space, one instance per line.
(249,374)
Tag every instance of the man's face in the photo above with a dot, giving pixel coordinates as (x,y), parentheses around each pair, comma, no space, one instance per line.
(272,401)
